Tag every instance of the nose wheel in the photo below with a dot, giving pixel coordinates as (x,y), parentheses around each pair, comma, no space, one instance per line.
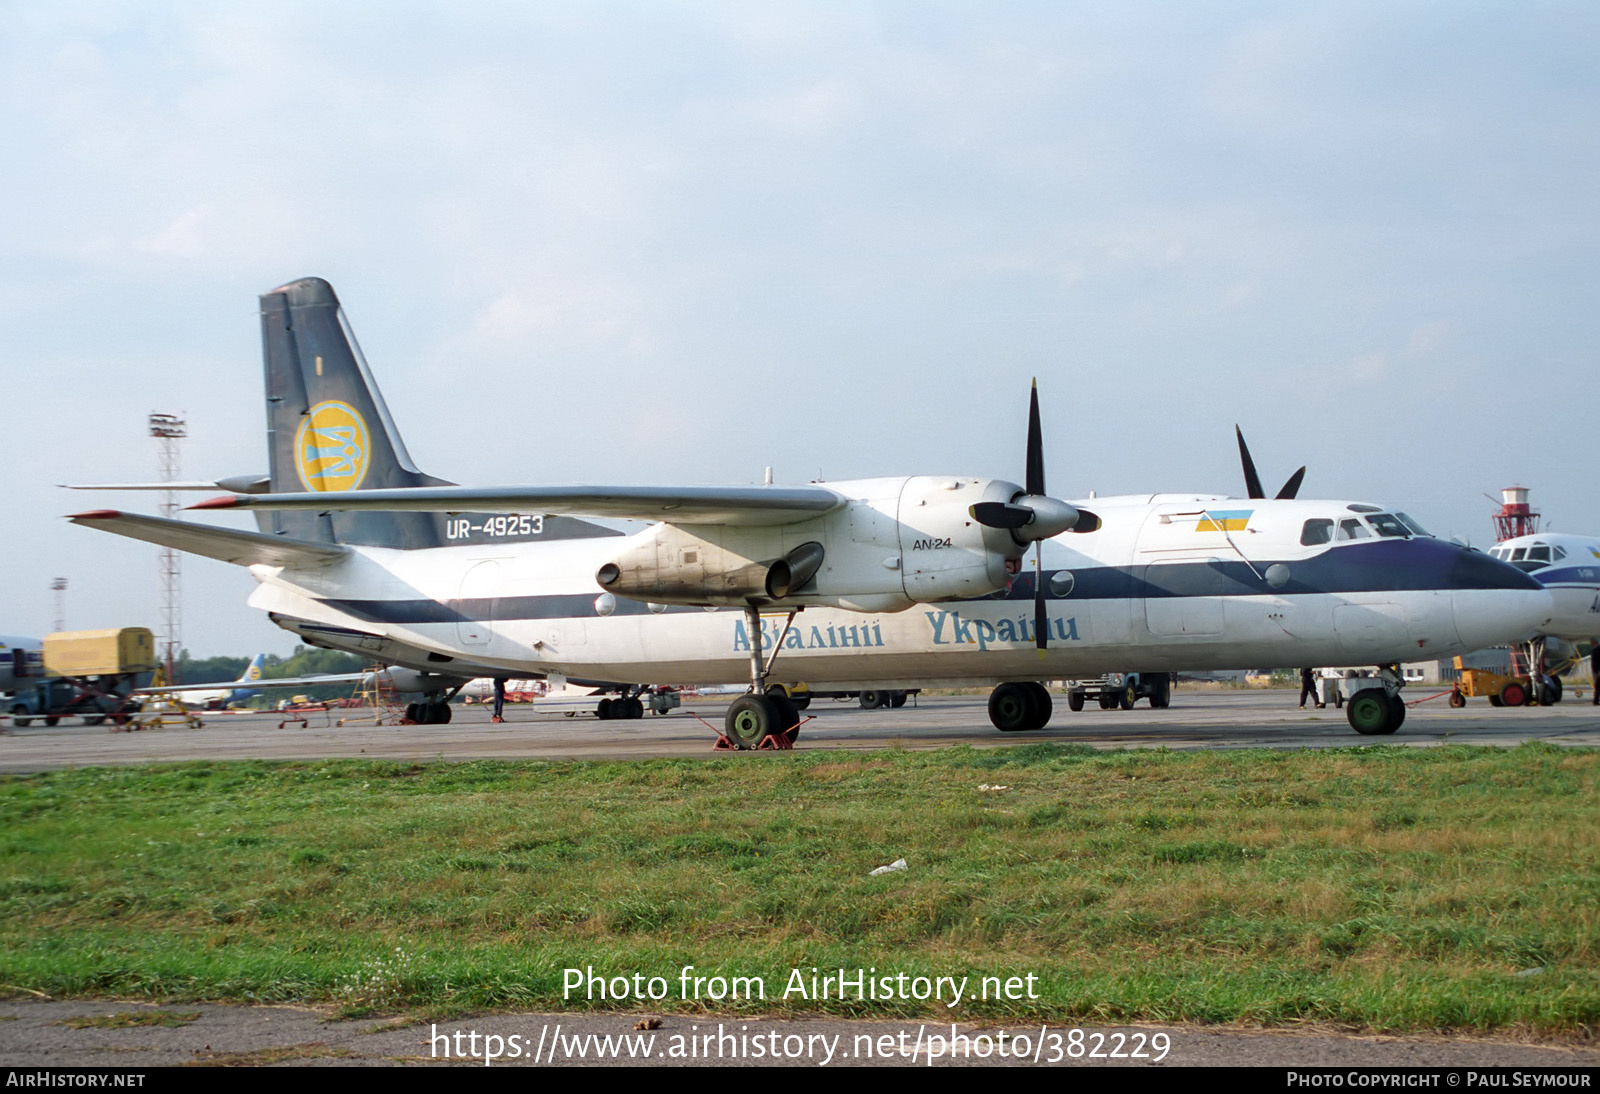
(1377,711)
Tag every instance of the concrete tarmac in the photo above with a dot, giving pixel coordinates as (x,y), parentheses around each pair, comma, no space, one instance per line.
(1196,719)
(35,1033)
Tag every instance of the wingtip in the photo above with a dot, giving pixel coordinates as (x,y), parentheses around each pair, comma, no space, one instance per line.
(222,501)
(95,514)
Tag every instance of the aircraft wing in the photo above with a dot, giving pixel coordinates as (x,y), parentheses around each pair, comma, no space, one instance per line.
(278,682)
(747,505)
(228,544)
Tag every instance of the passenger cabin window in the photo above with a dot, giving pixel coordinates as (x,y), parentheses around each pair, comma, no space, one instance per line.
(1351,528)
(1316,531)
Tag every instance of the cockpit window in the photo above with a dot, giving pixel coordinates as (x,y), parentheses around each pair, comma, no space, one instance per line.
(1557,554)
(1316,531)
(1518,553)
(1351,528)
(1416,529)
(1388,526)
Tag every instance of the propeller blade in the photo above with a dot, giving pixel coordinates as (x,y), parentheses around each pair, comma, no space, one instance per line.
(1034,482)
(1041,620)
(1252,481)
(1292,487)
(998,514)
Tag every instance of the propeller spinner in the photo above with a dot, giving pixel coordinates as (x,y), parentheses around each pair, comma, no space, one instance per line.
(1033,516)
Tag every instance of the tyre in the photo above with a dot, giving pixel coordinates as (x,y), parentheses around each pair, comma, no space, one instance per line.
(750,719)
(603,710)
(1043,707)
(1457,699)
(1075,700)
(871,700)
(801,701)
(1369,713)
(1513,694)
(52,719)
(1161,692)
(1550,694)
(1012,707)
(1397,712)
(897,699)
(1128,697)
(788,716)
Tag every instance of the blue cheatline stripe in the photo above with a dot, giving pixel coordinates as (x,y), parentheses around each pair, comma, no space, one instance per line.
(1569,575)
(1381,566)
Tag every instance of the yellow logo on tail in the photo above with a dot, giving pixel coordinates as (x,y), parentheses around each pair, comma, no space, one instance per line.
(331,448)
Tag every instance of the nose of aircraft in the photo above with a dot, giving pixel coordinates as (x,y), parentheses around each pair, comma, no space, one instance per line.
(1495,617)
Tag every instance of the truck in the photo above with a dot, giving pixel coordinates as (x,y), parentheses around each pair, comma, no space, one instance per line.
(88,674)
(1121,689)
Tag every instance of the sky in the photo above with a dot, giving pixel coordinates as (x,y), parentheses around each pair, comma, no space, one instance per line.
(677,243)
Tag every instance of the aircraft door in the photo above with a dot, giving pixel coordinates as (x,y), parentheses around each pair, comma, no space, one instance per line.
(480,587)
(1182,571)
(1183,597)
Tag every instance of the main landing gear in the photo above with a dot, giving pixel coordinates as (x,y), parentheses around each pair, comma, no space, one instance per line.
(434,710)
(1378,710)
(624,706)
(766,717)
(1020,706)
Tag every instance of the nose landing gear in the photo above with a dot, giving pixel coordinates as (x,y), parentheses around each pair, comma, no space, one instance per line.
(1378,710)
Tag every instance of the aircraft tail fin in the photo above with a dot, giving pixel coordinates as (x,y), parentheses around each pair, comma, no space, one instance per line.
(252,671)
(327,425)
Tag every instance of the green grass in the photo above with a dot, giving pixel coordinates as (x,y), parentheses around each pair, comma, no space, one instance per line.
(1382,888)
(169,1019)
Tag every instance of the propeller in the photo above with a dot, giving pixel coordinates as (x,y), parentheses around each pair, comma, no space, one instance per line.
(1033,516)
(1252,481)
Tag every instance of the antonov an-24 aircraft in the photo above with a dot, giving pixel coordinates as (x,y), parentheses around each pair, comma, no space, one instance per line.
(866,584)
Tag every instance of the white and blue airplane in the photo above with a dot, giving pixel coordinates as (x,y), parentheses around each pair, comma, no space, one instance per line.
(1569,567)
(875,583)
(215,696)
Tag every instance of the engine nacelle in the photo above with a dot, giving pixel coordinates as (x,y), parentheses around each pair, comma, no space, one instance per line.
(411,682)
(679,565)
(894,543)
(946,554)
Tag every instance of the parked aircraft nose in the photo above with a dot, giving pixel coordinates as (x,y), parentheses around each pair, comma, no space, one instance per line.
(1497,616)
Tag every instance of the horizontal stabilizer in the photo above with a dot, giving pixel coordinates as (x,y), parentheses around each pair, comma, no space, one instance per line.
(227,544)
(238,484)
(746,505)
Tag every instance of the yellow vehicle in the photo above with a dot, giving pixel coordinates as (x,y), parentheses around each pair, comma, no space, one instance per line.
(1501,689)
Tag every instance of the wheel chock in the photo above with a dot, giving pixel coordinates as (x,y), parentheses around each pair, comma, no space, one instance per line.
(784,741)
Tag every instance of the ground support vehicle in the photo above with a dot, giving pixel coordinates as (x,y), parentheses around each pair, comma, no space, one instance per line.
(1502,689)
(1121,689)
